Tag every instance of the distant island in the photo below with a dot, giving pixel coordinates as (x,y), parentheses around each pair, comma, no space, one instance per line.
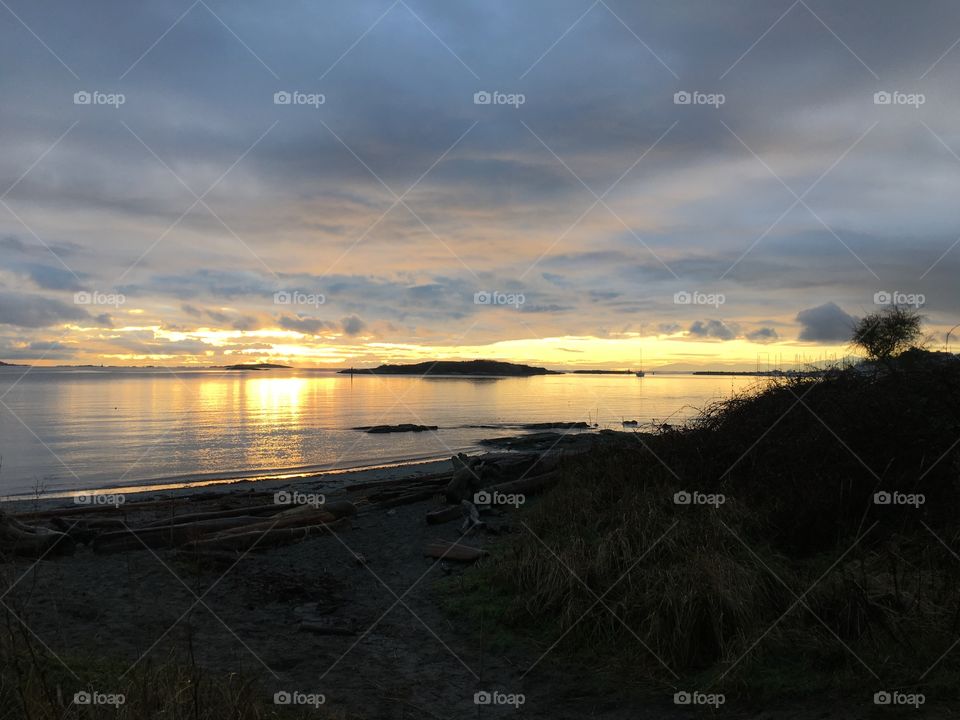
(603,372)
(6,364)
(480,368)
(255,366)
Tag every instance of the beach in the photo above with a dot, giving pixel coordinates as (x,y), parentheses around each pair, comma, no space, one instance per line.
(391,646)
(401,653)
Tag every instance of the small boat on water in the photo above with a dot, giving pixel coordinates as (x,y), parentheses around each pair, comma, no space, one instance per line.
(640,373)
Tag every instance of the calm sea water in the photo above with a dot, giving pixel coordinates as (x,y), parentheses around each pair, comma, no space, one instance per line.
(70,429)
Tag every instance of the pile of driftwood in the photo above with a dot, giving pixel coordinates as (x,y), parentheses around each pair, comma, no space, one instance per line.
(465,492)
(110,529)
(507,473)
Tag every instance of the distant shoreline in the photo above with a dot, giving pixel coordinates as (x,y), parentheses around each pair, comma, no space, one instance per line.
(469,368)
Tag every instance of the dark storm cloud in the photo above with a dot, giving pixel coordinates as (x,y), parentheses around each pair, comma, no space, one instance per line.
(49,277)
(352,325)
(34,311)
(305,324)
(763,335)
(714,329)
(825,323)
(10,350)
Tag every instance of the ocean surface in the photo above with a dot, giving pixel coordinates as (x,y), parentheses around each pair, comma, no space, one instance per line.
(64,429)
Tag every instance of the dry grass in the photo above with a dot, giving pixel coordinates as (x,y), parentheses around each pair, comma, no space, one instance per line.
(36,686)
(798,579)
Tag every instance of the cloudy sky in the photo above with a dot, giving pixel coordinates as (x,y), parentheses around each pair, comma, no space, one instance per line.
(570,182)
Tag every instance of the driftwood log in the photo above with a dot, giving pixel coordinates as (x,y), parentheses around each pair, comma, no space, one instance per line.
(176,535)
(471,474)
(167,535)
(444,514)
(453,551)
(265,509)
(468,477)
(369,484)
(265,539)
(17,538)
(98,509)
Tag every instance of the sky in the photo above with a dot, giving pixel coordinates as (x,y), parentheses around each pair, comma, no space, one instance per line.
(577,184)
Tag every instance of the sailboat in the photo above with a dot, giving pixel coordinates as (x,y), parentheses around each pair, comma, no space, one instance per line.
(640,373)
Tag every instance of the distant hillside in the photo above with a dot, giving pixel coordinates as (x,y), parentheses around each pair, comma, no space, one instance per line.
(6,364)
(483,368)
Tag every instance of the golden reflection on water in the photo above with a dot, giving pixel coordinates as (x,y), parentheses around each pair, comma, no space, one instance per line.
(275,400)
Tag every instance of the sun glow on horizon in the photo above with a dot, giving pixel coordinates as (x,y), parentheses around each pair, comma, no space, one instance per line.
(208,345)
